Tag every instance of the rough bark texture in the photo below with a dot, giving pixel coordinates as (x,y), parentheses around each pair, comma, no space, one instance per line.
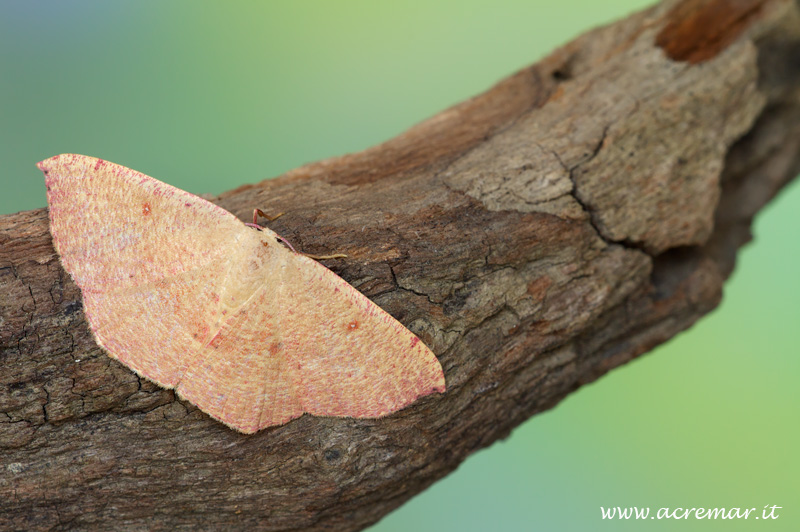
(573,217)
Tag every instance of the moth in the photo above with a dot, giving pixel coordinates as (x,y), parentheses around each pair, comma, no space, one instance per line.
(188,296)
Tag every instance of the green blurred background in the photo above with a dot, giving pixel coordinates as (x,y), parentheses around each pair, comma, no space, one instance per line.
(211,95)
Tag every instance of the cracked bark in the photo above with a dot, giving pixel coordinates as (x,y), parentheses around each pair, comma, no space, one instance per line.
(576,215)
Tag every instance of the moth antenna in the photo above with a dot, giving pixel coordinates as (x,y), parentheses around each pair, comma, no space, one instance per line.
(259,212)
(323,257)
(309,255)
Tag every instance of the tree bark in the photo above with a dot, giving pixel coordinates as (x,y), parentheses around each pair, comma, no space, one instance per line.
(570,219)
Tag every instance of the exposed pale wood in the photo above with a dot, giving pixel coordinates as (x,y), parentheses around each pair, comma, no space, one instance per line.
(573,217)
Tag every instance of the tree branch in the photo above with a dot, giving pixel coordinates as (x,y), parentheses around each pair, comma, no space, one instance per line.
(576,215)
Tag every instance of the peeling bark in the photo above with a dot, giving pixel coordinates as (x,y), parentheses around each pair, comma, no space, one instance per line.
(573,217)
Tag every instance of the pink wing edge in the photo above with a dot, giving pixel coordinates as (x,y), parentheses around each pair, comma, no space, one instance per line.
(434,385)
(71,161)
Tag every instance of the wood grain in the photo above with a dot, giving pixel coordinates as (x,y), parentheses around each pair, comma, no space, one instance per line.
(571,218)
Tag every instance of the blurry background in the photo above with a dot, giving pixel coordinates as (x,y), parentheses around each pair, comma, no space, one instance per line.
(211,95)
